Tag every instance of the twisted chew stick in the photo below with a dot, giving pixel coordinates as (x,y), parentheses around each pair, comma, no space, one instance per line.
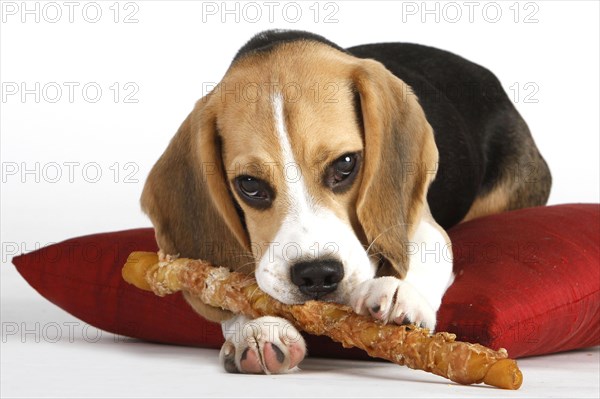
(439,353)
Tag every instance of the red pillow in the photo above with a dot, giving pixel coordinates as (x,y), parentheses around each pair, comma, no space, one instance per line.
(527,280)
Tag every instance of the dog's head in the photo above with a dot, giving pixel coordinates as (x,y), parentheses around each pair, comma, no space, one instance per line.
(305,165)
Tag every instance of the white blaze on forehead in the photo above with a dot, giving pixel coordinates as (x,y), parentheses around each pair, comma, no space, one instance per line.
(298,196)
(282,134)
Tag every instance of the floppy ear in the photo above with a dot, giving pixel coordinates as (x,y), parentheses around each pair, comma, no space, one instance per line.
(400,161)
(187,198)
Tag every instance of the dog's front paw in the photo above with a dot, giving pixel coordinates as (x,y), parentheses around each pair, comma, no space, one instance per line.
(392,300)
(269,345)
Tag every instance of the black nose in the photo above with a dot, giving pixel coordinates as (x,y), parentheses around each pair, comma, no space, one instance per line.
(317,278)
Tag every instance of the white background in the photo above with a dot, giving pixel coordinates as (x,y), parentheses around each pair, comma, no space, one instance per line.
(169,52)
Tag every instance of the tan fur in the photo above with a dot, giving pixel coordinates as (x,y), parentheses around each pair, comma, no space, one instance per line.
(400,162)
(495,201)
(232,132)
(525,182)
(187,200)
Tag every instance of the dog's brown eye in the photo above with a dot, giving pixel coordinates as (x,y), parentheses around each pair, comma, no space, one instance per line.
(343,167)
(340,174)
(255,192)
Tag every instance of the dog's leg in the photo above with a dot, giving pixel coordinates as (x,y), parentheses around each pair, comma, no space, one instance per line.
(269,345)
(417,297)
(519,178)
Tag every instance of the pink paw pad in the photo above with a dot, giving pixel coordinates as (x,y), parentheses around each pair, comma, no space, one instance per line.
(250,362)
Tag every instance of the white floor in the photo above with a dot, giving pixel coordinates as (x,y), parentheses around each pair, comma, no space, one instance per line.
(46,352)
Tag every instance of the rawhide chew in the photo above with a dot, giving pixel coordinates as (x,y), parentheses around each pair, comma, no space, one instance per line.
(417,348)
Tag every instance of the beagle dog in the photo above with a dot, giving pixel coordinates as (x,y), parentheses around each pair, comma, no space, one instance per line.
(311,167)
